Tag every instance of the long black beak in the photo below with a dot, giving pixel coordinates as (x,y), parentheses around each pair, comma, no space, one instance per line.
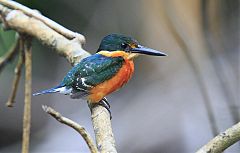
(147,51)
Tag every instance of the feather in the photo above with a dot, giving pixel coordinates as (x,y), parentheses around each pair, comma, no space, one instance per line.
(60,89)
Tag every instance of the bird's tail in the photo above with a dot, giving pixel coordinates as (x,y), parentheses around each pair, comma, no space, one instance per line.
(48,91)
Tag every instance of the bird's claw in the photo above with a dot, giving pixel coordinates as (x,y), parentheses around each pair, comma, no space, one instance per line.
(105,104)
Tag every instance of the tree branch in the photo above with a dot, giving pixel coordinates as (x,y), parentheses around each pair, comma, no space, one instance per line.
(17,20)
(81,130)
(222,141)
(23,20)
(17,76)
(28,93)
(102,129)
(50,23)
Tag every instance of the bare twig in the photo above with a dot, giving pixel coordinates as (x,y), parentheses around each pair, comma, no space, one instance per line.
(9,56)
(33,13)
(70,49)
(28,94)
(222,141)
(102,129)
(86,136)
(17,76)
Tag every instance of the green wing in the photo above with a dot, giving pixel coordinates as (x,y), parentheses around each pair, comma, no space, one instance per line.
(92,71)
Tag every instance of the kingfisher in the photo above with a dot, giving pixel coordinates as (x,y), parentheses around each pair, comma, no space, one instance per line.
(104,72)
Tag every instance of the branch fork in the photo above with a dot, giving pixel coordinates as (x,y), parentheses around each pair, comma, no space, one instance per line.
(65,43)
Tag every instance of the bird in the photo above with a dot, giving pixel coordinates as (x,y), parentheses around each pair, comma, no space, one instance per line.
(104,72)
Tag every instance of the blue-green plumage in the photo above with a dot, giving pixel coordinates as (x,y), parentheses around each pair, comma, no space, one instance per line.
(93,70)
(90,72)
(115,42)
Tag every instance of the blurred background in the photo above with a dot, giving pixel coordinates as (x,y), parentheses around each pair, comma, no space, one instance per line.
(173,104)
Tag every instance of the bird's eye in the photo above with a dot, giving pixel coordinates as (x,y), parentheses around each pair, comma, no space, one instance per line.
(124,45)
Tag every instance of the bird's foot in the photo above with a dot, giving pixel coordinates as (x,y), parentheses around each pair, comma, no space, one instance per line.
(105,104)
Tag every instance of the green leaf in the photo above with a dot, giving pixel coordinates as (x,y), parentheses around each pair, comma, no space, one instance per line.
(7,38)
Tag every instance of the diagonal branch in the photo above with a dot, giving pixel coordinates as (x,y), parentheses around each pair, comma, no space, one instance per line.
(86,136)
(17,20)
(222,141)
(50,23)
(17,76)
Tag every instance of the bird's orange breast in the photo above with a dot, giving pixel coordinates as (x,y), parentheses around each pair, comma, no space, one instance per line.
(111,85)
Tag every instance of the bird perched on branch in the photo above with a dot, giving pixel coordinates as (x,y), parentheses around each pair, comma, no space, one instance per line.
(106,71)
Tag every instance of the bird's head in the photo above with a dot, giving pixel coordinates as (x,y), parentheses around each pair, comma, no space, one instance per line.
(117,42)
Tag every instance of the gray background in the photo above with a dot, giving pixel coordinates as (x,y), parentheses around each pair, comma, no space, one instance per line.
(162,109)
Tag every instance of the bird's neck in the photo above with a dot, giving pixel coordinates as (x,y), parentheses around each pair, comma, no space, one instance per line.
(131,56)
(128,56)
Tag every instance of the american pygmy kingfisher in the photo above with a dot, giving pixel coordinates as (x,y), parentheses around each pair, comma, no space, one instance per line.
(106,71)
